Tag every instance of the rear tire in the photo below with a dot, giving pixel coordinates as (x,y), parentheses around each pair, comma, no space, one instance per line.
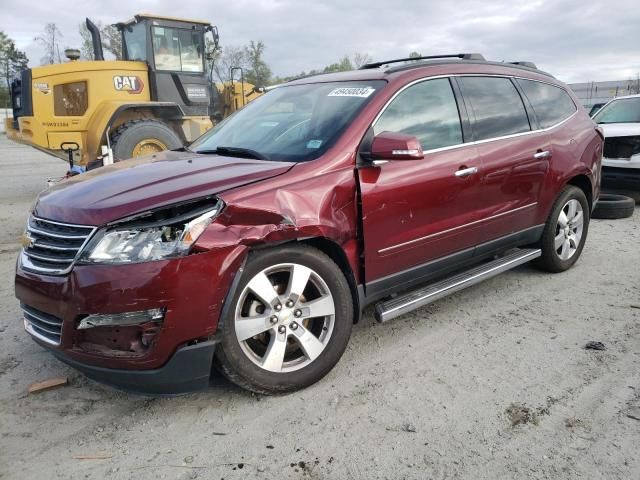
(143,137)
(610,206)
(565,231)
(289,321)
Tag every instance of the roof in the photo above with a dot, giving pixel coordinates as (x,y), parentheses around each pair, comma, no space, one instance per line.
(381,73)
(143,16)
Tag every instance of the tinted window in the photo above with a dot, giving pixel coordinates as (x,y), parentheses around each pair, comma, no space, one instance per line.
(551,104)
(495,105)
(427,110)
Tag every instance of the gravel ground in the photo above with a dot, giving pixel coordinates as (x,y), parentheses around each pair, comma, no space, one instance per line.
(491,383)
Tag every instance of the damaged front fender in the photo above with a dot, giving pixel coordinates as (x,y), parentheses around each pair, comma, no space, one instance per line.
(293,207)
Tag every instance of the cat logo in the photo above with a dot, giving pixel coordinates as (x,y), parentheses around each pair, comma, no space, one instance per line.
(128,84)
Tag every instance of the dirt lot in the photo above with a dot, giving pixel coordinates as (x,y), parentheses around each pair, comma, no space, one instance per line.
(491,383)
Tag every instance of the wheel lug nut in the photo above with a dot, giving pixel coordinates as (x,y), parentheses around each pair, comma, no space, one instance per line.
(289,303)
(273,320)
(278,307)
(294,326)
(297,313)
(282,329)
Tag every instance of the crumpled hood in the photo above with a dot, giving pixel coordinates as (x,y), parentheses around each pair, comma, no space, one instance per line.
(620,129)
(125,188)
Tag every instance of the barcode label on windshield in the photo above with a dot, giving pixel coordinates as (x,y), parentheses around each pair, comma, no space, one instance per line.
(362,92)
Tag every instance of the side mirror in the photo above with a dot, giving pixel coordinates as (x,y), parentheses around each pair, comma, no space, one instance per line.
(396,146)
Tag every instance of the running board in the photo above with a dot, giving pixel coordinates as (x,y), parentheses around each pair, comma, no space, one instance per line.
(400,305)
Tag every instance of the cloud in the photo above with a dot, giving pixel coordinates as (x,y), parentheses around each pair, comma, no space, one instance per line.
(572,39)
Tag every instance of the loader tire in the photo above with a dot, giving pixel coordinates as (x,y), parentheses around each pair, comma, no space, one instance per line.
(142,137)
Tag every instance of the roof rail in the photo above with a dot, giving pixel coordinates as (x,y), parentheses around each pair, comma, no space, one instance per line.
(524,64)
(464,56)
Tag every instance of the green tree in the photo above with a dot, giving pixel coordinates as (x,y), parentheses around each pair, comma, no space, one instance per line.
(258,72)
(112,40)
(341,66)
(110,36)
(12,62)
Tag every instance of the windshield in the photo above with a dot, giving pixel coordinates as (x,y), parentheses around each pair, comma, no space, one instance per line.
(291,123)
(624,110)
(177,49)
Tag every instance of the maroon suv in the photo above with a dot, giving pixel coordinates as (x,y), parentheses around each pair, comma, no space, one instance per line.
(256,248)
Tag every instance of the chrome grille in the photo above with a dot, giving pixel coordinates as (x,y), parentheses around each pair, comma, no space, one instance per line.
(42,325)
(51,247)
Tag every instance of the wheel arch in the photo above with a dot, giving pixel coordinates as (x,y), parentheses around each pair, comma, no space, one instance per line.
(337,254)
(112,114)
(583,182)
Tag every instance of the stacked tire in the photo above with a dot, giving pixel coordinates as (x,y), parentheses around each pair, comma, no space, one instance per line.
(610,206)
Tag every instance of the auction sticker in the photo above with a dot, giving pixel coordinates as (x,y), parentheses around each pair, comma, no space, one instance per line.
(362,92)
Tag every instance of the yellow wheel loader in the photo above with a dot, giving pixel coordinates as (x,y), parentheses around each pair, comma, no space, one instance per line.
(159,97)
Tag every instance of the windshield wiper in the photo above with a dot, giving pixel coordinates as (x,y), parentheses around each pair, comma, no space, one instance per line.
(235,152)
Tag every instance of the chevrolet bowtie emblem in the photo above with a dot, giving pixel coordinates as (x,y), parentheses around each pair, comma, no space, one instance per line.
(26,240)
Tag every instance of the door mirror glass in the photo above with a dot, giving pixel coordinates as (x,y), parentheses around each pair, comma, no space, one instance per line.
(396,146)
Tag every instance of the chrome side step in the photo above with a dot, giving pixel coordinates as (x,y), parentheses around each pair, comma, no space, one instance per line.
(400,305)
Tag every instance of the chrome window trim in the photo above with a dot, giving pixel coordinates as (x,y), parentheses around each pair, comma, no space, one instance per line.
(477,142)
(475,222)
(26,263)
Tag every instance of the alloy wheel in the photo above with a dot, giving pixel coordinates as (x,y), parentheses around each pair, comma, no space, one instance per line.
(569,229)
(284,317)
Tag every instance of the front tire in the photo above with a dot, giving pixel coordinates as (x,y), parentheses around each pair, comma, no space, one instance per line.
(289,321)
(143,137)
(565,231)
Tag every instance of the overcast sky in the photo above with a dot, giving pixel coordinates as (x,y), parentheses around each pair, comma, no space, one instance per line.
(576,40)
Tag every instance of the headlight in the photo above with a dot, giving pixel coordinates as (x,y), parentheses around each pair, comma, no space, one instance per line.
(151,236)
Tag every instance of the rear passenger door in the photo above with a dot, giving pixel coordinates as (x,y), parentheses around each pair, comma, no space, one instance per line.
(514,155)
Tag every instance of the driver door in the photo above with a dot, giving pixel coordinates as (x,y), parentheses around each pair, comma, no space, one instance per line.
(420,215)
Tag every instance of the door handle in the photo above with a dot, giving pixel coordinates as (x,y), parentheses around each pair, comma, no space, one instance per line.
(465,172)
(542,154)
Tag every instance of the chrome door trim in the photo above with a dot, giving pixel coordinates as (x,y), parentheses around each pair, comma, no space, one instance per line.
(477,142)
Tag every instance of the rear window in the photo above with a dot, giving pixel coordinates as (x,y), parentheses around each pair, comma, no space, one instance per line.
(551,104)
(496,107)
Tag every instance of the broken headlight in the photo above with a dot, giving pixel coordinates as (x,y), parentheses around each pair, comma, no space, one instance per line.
(166,233)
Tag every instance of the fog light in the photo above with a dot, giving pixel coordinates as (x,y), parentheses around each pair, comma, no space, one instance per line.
(120,319)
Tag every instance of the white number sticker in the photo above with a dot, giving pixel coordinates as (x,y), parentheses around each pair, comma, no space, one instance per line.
(362,92)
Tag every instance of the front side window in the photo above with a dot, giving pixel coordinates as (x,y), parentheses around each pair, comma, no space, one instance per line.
(135,42)
(551,104)
(624,110)
(292,123)
(496,107)
(428,111)
(177,49)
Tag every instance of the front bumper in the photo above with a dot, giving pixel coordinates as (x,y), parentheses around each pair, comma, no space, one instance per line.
(190,289)
(188,370)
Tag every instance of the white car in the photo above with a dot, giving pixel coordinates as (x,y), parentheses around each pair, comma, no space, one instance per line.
(620,121)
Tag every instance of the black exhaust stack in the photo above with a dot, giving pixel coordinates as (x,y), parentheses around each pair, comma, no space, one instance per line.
(96,40)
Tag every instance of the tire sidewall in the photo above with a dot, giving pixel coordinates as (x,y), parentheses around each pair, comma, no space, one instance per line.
(136,132)
(548,245)
(232,354)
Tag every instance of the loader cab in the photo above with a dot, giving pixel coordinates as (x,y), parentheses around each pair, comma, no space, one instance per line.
(174,50)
